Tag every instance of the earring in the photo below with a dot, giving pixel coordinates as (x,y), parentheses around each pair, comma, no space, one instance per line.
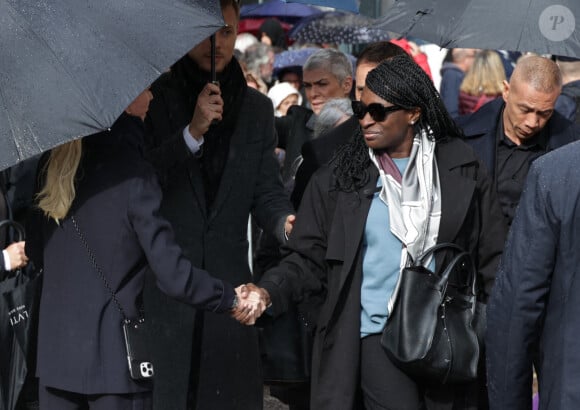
(412,122)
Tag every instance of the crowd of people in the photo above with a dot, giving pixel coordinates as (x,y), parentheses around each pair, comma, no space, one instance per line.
(349,172)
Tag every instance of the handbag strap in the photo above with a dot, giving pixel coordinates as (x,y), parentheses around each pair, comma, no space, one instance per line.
(98,269)
(434,248)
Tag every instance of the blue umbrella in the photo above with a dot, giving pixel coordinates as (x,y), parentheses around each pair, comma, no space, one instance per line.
(297,57)
(348,5)
(288,12)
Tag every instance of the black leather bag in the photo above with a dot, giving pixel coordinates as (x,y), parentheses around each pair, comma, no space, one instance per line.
(432,333)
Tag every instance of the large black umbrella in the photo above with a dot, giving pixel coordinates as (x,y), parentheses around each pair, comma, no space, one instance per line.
(541,26)
(69,67)
(337,28)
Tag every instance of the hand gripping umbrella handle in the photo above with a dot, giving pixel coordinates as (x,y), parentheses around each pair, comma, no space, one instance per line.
(16,226)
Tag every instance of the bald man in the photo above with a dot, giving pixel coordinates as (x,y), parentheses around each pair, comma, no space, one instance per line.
(452,75)
(509,133)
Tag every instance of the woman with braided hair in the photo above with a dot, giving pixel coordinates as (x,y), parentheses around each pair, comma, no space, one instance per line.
(403,183)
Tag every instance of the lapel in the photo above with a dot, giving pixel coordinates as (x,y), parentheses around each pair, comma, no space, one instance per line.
(456,189)
(355,209)
(196,181)
(236,154)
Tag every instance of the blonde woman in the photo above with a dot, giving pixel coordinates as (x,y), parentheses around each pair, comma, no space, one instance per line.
(483,82)
(100,187)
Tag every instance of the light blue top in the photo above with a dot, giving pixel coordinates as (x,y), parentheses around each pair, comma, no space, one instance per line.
(381,263)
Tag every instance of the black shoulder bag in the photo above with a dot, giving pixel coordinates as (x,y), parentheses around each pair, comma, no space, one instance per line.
(134,331)
(432,332)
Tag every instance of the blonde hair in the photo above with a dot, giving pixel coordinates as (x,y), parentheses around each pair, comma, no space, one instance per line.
(486,75)
(58,192)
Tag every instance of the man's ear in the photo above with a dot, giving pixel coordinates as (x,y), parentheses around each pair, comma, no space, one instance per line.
(506,90)
(347,86)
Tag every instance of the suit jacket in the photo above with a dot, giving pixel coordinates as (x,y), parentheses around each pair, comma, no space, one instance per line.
(324,257)
(221,356)
(293,132)
(534,309)
(480,132)
(80,340)
(318,152)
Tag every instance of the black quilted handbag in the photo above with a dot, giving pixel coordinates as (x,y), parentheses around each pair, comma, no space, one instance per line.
(431,333)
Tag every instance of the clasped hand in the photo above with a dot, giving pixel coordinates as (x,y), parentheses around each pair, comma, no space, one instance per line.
(252,302)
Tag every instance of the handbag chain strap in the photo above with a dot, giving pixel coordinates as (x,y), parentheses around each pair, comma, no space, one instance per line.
(98,269)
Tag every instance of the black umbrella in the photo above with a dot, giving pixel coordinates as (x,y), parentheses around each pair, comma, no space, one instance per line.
(541,26)
(337,28)
(69,67)
(19,297)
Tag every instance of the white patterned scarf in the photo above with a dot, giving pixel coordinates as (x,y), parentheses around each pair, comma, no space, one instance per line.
(415,202)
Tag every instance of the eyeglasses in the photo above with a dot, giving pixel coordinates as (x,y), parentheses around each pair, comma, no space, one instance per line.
(378,112)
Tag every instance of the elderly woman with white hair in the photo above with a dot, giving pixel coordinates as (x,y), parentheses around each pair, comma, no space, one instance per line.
(327,74)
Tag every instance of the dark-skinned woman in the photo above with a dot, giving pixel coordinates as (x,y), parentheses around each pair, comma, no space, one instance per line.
(403,183)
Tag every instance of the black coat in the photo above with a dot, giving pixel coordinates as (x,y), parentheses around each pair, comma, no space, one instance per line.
(480,132)
(80,339)
(534,309)
(325,257)
(318,152)
(294,129)
(226,354)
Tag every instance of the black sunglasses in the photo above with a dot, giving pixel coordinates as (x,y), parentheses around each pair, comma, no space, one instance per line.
(377,111)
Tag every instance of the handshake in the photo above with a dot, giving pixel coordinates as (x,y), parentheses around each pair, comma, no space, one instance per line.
(252,302)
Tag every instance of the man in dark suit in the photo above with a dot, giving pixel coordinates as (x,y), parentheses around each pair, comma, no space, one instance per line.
(213,147)
(535,304)
(508,135)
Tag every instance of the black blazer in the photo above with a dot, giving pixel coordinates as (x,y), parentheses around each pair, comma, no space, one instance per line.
(80,341)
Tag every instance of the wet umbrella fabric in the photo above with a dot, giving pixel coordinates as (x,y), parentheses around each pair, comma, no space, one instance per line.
(541,26)
(337,28)
(68,68)
(288,12)
(19,298)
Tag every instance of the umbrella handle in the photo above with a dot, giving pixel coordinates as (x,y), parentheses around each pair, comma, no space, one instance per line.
(16,226)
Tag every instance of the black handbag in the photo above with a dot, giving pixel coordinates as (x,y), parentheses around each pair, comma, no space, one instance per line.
(134,330)
(432,332)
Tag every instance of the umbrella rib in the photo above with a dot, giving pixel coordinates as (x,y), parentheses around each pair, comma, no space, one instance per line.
(526,19)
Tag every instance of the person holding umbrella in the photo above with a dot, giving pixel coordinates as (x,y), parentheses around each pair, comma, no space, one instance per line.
(212,142)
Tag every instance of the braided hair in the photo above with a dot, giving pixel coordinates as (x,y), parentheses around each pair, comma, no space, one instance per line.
(400,81)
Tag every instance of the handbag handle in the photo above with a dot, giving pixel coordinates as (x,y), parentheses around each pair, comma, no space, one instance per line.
(19,229)
(444,280)
(419,260)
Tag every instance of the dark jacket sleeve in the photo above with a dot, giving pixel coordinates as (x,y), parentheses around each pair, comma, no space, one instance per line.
(271,204)
(519,297)
(174,272)
(302,272)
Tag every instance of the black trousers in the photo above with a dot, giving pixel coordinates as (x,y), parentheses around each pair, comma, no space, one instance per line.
(383,385)
(55,399)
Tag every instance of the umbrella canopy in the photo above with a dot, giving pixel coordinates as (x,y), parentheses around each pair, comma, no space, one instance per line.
(541,26)
(337,28)
(288,12)
(69,67)
(348,5)
(297,57)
